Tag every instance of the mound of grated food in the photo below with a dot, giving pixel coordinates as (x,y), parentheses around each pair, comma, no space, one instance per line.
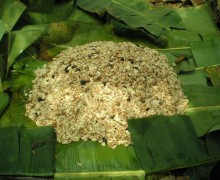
(89,91)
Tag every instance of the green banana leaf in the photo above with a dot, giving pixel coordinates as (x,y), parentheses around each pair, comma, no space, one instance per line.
(88,28)
(174,53)
(187,65)
(45,12)
(75,160)
(212,139)
(204,120)
(202,96)
(206,53)
(196,24)
(200,27)
(39,5)
(27,151)
(213,73)
(204,106)
(188,73)
(1,86)
(91,160)
(181,38)
(20,83)
(15,115)
(26,66)
(10,12)
(169,142)
(196,77)
(22,39)
(2,67)
(2,29)
(135,14)
(4,101)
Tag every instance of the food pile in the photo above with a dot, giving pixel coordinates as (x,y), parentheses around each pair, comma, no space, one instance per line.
(89,91)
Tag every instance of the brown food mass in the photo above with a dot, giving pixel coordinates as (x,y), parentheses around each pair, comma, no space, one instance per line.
(89,91)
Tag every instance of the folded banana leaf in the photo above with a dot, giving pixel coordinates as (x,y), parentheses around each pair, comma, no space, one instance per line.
(135,14)
(170,142)
(88,28)
(27,152)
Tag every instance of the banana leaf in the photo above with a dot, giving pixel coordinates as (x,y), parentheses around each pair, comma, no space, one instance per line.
(2,29)
(202,96)
(14,115)
(39,5)
(196,77)
(169,142)
(206,53)
(212,140)
(10,12)
(190,75)
(76,160)
(84,160)
(2,67)
(4,101)
(184,66)
(195,28)
(204,106)
(22,39)
(90,160)
(136,36)
(27,151)
(25,66)
(213,73)
(177,52)
(204,120)
(196,24)
(45,12)
(135,14)
(88,28)
(181,38)
(20,83)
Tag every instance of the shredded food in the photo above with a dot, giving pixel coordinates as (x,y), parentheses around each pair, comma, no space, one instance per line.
(88,92)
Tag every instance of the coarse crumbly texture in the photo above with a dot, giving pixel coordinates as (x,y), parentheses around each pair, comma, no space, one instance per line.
(89,91)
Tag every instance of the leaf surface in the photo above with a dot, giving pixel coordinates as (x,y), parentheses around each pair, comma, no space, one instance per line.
(22,39)
(168,142)
(135,16)
(10,12)
(206,53)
